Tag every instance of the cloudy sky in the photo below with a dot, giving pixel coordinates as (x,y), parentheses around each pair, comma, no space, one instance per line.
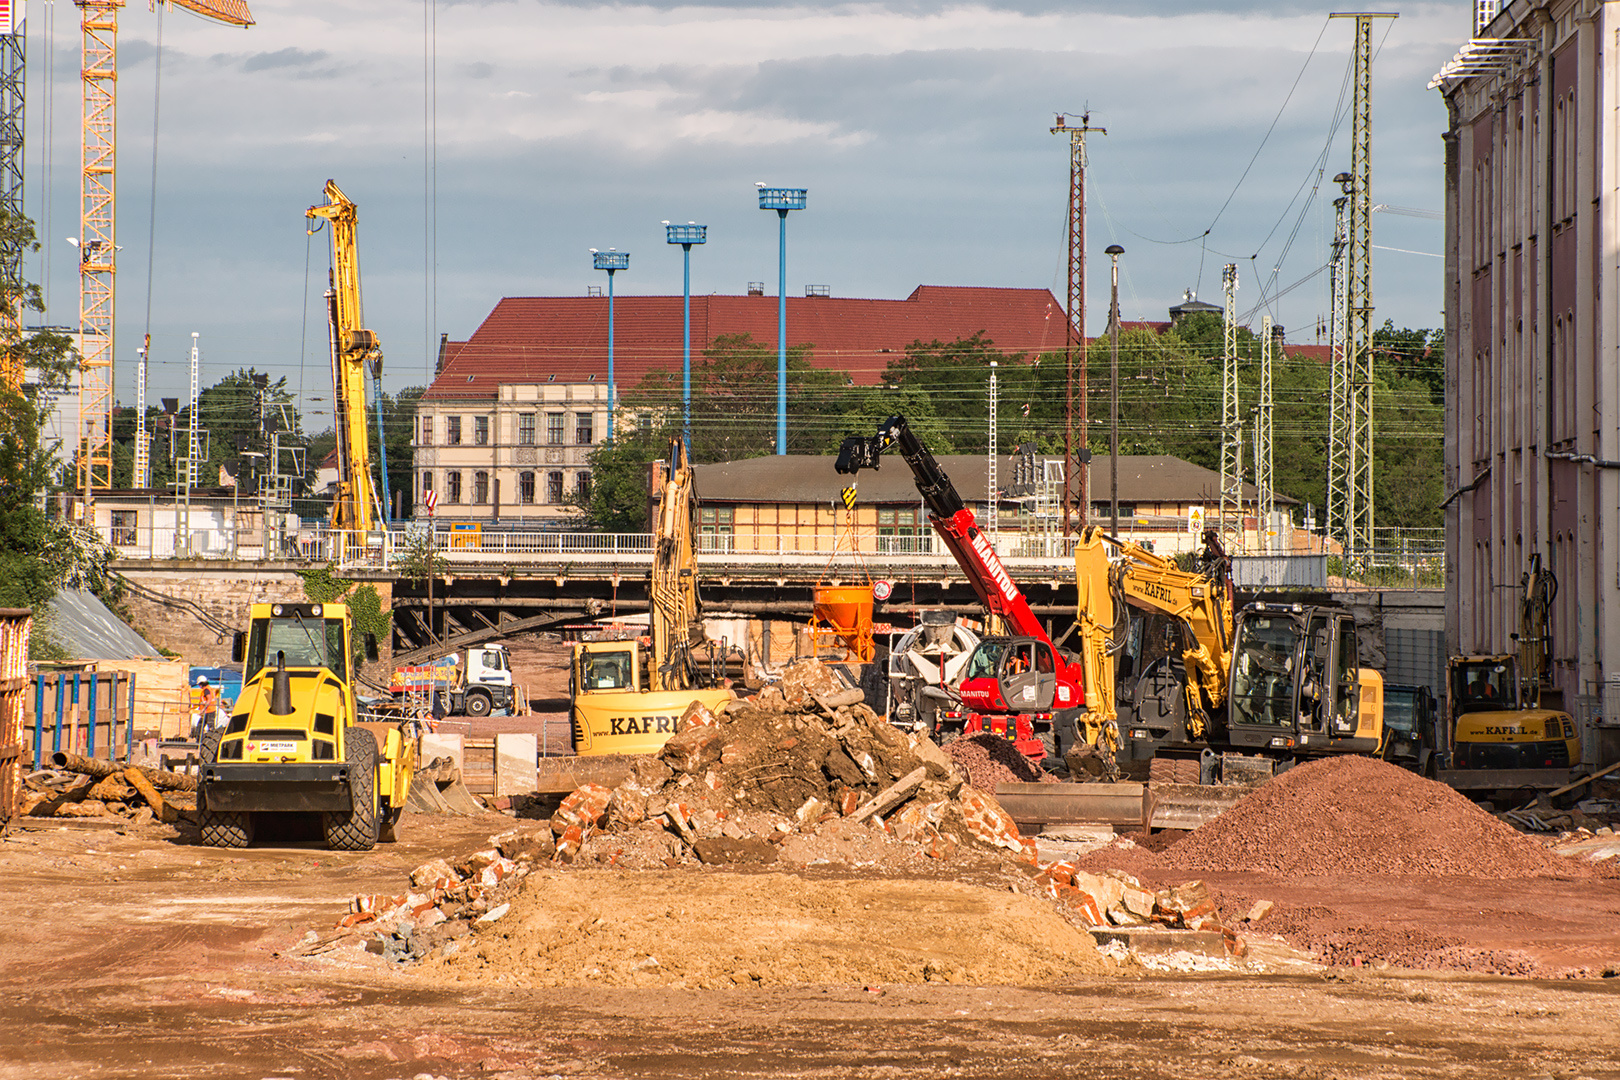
(919,127)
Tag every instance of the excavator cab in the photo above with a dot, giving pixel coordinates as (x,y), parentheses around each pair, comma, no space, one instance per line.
(1297,684)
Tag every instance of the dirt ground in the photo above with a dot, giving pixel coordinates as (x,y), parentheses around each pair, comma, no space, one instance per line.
(139,953)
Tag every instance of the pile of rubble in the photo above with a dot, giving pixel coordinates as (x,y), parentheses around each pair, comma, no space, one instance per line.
(804,773)
(80,787)
(447,900)
(1113,898)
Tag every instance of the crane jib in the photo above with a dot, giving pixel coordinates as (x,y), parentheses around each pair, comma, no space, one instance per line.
(993,567)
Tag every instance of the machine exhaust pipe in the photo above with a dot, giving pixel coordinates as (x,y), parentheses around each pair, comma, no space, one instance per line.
(281,688)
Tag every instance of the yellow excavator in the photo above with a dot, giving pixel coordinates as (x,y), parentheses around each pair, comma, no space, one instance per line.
(1509,728)
(355,350)
(295,743)
(625,699)
(1203,695)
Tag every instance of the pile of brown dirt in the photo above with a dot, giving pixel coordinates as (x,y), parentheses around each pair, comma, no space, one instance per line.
(987,760)
(1357,815)
(583,928)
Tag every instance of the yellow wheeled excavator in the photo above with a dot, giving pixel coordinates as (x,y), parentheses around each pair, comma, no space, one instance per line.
(1202,694)
(625,698)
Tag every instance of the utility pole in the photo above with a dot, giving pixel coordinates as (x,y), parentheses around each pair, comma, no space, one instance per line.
(1358,299)
(1114,252)
(143,449)
(189,476)
(1231,422)
(1075,457)
(992,502)
(1263,481)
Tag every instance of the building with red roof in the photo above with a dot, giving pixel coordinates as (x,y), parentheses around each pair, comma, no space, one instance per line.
(507,426)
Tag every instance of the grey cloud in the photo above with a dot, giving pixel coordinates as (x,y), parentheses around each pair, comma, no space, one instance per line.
(284,58)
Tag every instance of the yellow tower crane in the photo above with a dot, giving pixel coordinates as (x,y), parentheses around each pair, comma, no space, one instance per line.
(97,221)
(353,350)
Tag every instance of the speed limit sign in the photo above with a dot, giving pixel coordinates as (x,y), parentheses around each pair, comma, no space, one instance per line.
(881,590)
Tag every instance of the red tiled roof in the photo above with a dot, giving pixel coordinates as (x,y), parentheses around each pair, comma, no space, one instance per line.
(528,339)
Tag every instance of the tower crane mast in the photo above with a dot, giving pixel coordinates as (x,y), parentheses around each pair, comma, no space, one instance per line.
(97,239)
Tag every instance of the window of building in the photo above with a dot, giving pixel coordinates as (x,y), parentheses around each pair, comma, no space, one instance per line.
(452,486)
(427,431)
(582,484)
(715,528)
(123,528)
(554,487)
(427,482)
(582,429)
(481,430)
(480,487)
(526,487)
(526,429)
(898,532)
(554,428)
(644,421)
(1106,510)
(452,431)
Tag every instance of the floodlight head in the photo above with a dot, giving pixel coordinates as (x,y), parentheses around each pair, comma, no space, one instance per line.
(782,198)
(666,222)
(593,251)
(690,233)
(759,183)
(1113,249)
(611,260)
(74,240)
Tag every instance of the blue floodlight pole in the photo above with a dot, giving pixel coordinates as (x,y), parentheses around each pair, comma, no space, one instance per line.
(686,235)
(610,260)
(781,200)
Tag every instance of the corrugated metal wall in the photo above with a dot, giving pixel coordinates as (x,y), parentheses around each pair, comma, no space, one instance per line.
(1416,658)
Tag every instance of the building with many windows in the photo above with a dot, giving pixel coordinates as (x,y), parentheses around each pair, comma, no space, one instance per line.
(1532,444)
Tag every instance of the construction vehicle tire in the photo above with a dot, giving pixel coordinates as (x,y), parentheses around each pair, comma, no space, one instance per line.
(478,703)
(356,829)
(218,828)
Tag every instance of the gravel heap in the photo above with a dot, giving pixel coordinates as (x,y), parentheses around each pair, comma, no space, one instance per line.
(1358,815)
(987,760)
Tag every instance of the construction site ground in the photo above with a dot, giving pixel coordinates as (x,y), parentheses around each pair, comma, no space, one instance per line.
(131,951)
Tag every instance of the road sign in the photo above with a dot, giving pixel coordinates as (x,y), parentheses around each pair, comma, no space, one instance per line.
(882,590)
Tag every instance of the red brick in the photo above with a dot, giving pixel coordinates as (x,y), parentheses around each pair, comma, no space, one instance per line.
(696,715)
(692,750)
(586,807)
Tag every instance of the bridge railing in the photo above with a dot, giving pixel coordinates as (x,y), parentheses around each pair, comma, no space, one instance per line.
(1404,559)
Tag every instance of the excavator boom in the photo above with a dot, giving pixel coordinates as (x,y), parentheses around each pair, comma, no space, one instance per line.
(354,349)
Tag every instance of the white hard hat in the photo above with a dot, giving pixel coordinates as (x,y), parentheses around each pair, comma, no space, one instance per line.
(202,680)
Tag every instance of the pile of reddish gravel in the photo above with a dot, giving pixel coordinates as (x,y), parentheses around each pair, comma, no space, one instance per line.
(987,760)
(1357,815)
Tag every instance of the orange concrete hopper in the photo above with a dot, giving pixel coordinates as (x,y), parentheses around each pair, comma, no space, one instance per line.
(844,613)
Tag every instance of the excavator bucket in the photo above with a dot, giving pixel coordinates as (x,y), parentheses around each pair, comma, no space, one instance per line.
(1187,806)
(1124,804)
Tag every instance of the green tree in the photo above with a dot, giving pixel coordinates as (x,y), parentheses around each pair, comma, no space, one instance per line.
(620,473)
(37,554)
(322,585)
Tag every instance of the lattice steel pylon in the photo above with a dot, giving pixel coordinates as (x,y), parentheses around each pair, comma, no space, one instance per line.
(13,77)
(97,239)
(1358,301)
(1338,460)
(1265,488)
(1231,421)
(1074,473)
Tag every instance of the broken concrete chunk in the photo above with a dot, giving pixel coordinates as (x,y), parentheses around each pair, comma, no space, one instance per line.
(1260,910)
(430,874)
(716,850)
(529,846)
(693,750)
(891,796)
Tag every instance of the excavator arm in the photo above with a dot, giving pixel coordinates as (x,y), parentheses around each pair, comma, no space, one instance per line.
(354,349)
(675,606)
(952,519)
(1201,601)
